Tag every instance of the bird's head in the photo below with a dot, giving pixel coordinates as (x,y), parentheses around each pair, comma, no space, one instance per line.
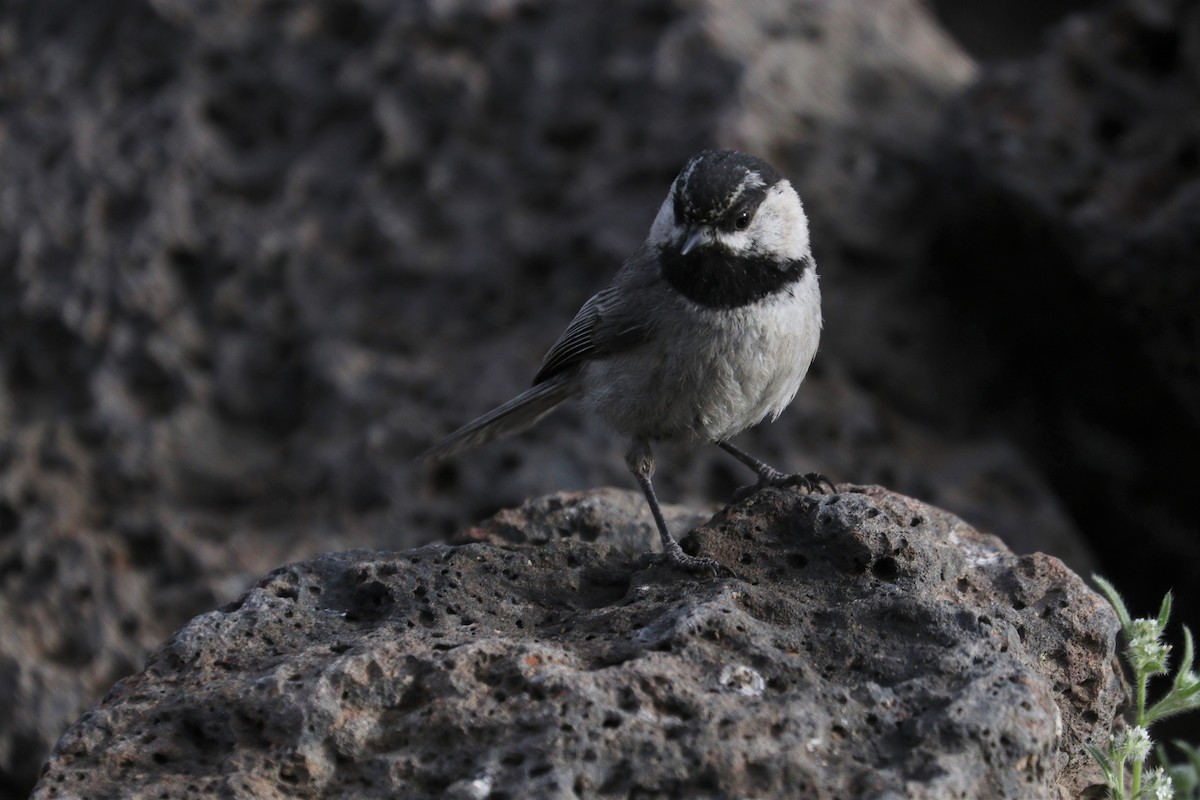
(732,230)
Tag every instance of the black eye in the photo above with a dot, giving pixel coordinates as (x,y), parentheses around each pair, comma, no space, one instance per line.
(743,221)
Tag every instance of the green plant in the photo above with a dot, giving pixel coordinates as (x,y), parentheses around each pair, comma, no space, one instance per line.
(1147,655)
(1185,776)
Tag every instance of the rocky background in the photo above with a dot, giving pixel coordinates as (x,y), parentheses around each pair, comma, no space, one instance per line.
(255,256)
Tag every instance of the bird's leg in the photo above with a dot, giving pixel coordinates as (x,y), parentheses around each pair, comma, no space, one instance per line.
(640,460)
(769,476)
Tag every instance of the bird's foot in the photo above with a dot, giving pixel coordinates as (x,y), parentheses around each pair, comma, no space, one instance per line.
(810,482)
(675,558)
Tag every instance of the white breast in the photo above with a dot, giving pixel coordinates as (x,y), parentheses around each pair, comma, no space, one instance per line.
(713,373)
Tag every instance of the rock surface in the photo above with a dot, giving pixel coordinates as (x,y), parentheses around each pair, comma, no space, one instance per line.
(871,646)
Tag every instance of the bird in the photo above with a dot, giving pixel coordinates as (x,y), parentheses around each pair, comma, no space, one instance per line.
(707,329)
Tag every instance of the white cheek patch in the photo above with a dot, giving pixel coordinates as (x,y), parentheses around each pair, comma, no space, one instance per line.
(780,225)
(779,228)
(737,241)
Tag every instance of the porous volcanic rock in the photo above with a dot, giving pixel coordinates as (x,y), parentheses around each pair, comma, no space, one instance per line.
(871,646)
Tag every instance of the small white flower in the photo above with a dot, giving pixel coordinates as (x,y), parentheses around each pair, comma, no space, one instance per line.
(1159,785)
(1146,651)
(1132,744)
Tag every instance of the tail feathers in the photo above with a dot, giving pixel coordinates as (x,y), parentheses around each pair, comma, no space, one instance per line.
(513,417)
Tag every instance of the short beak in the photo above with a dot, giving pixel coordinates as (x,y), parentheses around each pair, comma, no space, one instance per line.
(697,235)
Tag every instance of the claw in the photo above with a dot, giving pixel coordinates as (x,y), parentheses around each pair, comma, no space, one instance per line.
(695,564)
(810,482)
(820,483)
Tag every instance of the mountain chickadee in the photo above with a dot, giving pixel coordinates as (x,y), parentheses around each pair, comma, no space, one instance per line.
(707,330)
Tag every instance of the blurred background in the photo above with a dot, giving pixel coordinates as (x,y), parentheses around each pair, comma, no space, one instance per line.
(255,255)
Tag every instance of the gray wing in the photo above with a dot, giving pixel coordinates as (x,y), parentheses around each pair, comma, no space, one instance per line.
(603,326)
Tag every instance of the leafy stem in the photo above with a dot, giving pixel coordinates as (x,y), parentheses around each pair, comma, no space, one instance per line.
(1147,655)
